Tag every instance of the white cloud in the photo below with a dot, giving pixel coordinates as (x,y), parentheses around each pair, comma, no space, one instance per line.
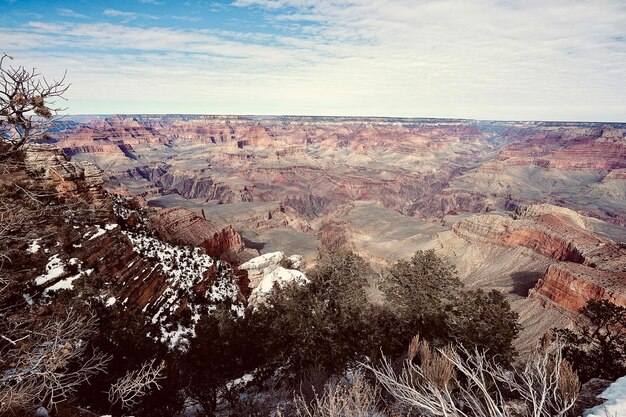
(71,13)
(127,16)
(119,13)
(563,59)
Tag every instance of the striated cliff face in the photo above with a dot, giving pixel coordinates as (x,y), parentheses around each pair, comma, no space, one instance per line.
(50,164)
(418,167)
(104,247)
(571,285)
(586,266)
(551,231)
(183,227)
(599,148)
(133,271)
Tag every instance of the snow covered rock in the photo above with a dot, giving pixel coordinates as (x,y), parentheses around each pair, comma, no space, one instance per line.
(615,404)
(265,271)
(193,281)
(263,265)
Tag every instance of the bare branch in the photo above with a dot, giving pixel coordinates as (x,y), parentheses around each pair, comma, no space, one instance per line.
(27,107)
(460,383)
(129,389)
(47,364)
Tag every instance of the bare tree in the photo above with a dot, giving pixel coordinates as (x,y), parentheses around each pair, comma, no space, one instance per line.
(129,389)
(45,364)
(459,383)
(27,106)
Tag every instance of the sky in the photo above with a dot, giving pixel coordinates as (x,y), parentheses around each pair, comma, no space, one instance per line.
(479,59)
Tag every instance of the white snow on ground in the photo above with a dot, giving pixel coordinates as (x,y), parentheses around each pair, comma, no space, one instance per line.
(110,301)
(28,299)
(240,381)
(184,269)
(263,261)
(297,261)
(615,405)
(64,284)
(266,268)
(280,276)
(67,283)
(34,246)
(100,231)
(54,269)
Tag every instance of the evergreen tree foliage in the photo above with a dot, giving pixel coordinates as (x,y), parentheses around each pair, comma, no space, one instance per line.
(425,296)
(325,324)
(597,347)
(419,294)
(485,320)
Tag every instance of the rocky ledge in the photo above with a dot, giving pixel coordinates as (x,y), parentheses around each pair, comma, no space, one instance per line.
(180,226)
(48,163)
(585,266)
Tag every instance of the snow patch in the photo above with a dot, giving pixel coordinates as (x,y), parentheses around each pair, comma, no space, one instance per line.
(28,299)
(264,261)
(265,272)
(34,246)
(110,301)
(184,269)
(235,383)
(280,276)
(100,231)
(615,405)
(54,269)
(64,284)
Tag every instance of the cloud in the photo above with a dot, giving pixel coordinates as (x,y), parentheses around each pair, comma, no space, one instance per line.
(119,13)
(154,2)
(71,13)
(494,59)
(128,16)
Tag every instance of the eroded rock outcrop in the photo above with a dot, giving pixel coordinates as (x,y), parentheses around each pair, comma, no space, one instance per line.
(105,249)
(551,231)
(571,285)
(586,266)
(181,226)
(49,163)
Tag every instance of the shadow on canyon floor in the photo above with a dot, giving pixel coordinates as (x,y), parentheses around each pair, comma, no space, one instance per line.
(523,281)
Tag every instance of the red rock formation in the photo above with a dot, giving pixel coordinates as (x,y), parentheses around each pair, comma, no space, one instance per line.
(183,227)
(115,136)
(582,148)
(551,231)
(588,267)
(571,285)
(407,165)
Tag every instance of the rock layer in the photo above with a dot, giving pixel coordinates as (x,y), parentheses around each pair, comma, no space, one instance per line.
(183,227)
(586,266)
(48,163)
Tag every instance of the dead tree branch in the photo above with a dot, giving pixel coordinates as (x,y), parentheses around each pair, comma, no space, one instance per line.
(129,389)
(459,383)
(27,104)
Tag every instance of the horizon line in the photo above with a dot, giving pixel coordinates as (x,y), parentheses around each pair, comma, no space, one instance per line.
(351,116)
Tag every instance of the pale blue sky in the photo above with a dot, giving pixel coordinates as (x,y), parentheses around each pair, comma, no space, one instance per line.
(486,59)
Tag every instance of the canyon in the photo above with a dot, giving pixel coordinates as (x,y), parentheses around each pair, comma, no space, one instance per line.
(534,209)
